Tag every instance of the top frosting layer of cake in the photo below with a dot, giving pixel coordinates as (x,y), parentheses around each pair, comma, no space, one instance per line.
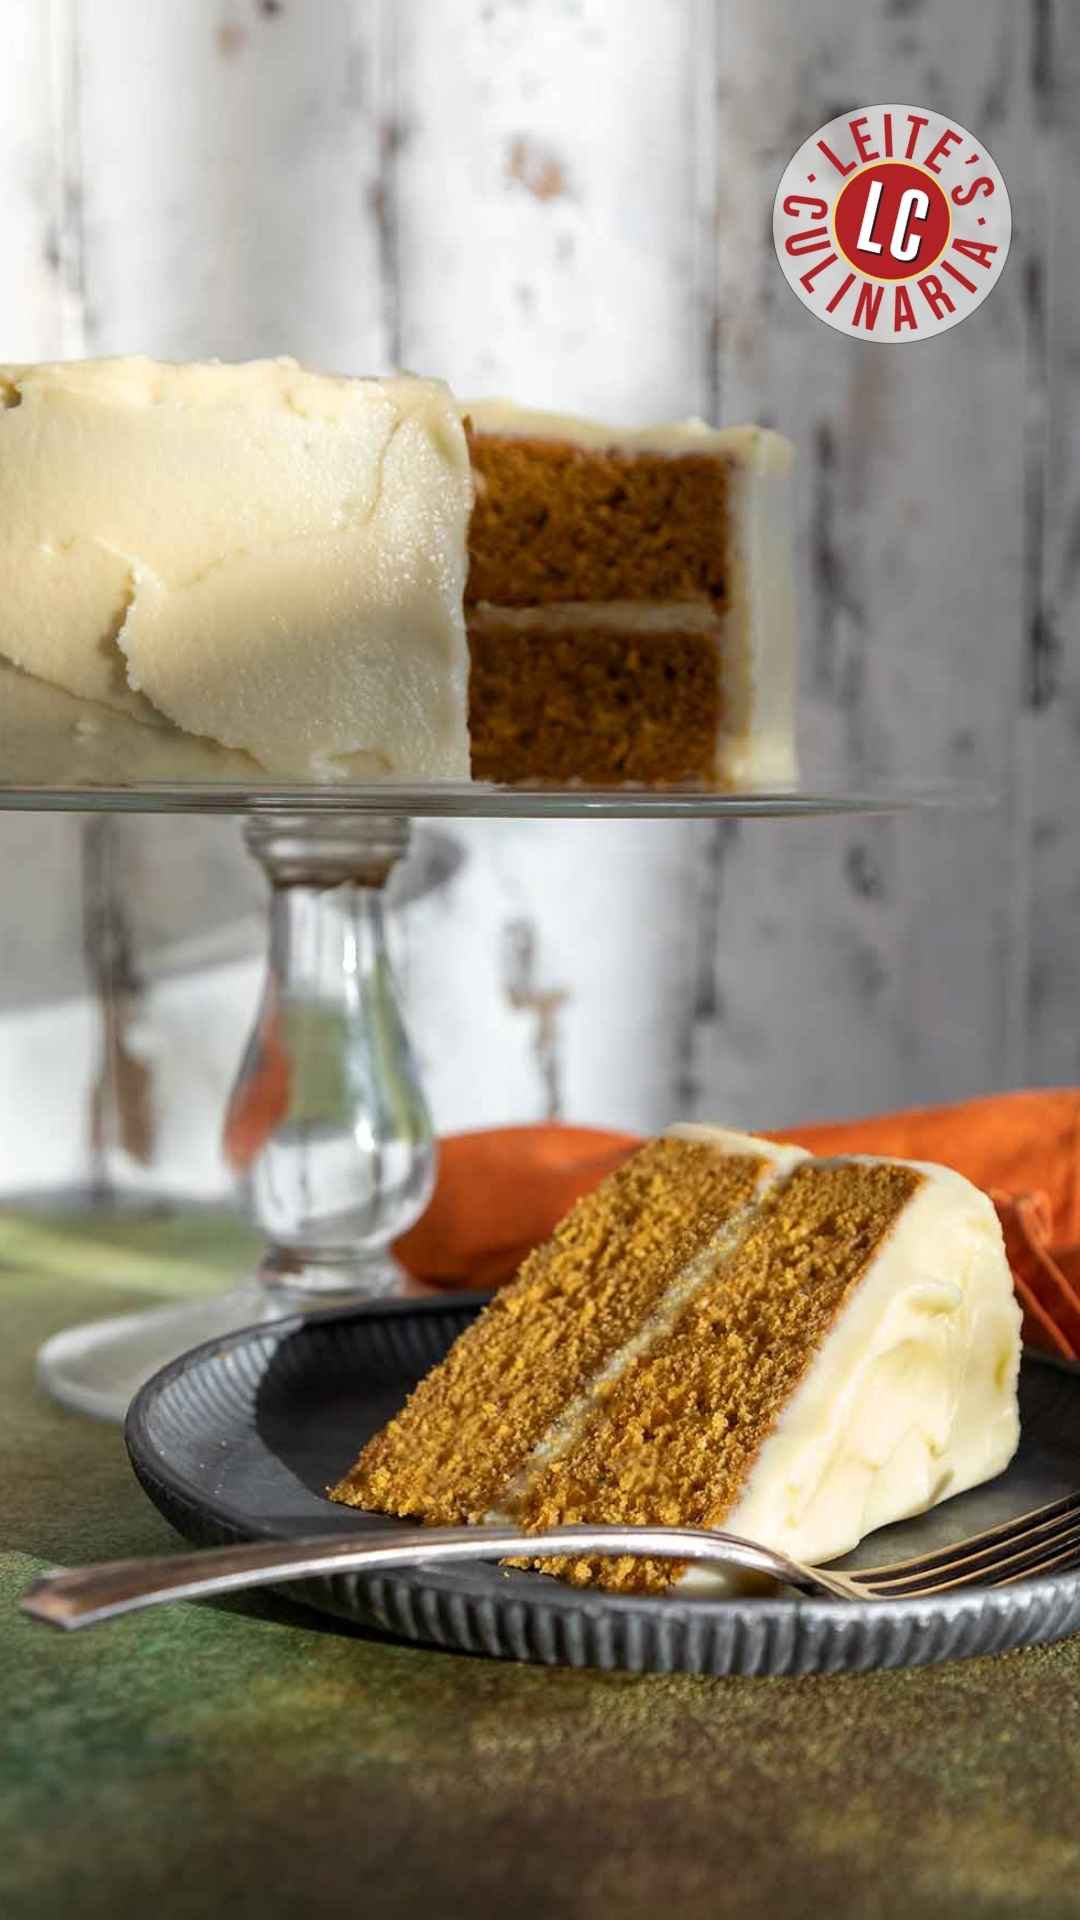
(264,556)
(496,414)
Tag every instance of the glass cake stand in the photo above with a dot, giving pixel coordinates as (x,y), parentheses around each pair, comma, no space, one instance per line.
(327,1127)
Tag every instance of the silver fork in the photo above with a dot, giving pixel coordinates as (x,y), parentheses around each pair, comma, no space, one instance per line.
(1044,1541)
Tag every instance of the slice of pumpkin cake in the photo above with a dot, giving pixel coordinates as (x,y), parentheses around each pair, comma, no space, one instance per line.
(726,1333)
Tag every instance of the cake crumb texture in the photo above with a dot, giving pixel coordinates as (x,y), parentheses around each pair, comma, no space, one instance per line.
(593,704)
(471,1424)
(553,522)
(679,1431)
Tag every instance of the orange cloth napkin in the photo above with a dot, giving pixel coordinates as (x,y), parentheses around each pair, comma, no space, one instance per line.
(499,1193)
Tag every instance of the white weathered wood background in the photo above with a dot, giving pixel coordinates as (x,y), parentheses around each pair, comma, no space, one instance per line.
(569,200)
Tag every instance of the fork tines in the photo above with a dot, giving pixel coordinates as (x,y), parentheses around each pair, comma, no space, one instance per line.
(1044,1541)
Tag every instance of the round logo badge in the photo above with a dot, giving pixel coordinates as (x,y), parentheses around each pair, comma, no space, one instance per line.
(892,224)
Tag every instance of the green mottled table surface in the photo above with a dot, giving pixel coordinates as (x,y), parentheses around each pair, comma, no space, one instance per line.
(243,1758)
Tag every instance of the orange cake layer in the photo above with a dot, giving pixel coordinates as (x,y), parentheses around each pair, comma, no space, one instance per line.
(590,703)
(470,1426)
(675,1438)
(554,521)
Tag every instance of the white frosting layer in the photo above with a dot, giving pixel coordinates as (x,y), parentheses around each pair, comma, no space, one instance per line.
(780,1154)
(758,747)
(911,1398)
(52,738)
(496,414)
(268,557)
(756,631)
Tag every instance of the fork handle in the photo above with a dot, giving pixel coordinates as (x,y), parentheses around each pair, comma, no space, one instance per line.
(84,1595)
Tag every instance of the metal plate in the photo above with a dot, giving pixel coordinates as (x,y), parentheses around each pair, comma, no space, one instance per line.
(239,1440)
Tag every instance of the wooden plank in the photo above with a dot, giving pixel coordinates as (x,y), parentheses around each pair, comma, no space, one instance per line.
(228,205)
(40,217)
(1051,721)
(542,218)
(43,1030)
(544,981)
(231,180)
(865,964)
(543,169)
(40,291)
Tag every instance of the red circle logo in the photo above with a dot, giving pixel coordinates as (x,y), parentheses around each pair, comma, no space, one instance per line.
(892,223)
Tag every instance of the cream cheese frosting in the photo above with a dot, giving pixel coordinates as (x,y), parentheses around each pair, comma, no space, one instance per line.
(52,738)
(263,557)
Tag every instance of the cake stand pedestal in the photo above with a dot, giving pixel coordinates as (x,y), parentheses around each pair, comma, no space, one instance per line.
(327,1128)
(328,1125)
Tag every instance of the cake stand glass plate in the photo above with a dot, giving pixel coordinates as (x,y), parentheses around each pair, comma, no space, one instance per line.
(468,799)
(239,1440)
(328,1128)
